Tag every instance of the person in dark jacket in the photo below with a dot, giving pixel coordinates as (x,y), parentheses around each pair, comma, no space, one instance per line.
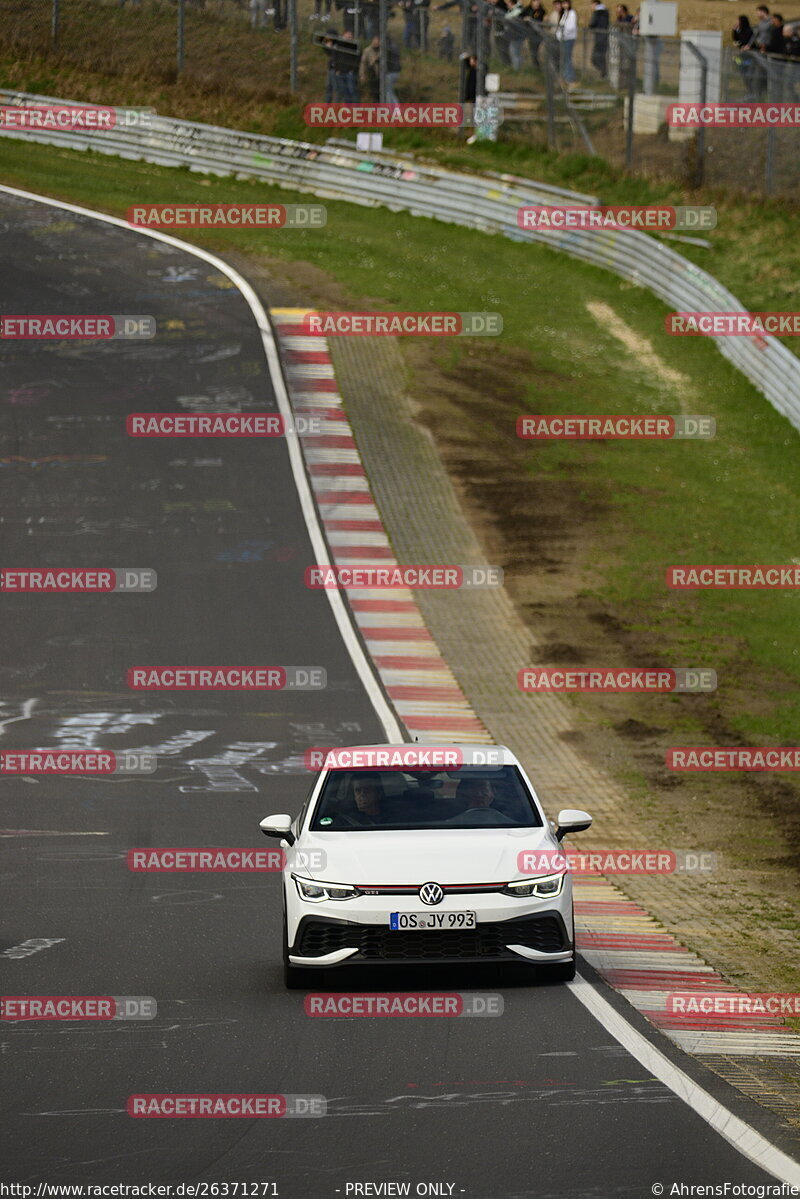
(392,71)
(471,17)
(469,78)
(774,43)
(535,15)
(446,46)
(791,68)
(345,63)
(599,23)
(742,36)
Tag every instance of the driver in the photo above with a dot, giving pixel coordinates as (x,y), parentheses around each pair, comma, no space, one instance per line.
(479,797)
(369,798)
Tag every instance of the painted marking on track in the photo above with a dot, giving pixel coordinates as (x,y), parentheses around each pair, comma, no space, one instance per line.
(42,832)
(33,945)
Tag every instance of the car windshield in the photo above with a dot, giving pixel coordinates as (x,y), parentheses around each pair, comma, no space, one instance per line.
(477,797)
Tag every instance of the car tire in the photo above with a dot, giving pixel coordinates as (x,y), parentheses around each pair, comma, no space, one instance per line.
(561,972)
(297,978)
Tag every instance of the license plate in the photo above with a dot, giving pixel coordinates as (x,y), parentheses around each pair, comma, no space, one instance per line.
(402,921)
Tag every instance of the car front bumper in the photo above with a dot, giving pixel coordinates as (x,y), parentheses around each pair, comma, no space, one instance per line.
(323,941)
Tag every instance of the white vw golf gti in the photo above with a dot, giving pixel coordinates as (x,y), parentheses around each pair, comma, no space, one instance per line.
(413,854)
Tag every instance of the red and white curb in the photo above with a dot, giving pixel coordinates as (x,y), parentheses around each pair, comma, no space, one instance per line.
(417,679)
(613,934)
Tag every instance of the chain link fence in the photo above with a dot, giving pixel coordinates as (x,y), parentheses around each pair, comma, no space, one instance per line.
(606,93)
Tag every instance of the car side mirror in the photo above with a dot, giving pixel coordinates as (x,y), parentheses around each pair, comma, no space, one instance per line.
(278,826)
(572,820)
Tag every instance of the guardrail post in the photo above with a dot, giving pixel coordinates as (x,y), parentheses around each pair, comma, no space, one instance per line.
(480,74)
(550,94)
(630,51)
(769,161)
(382,52)
(180,52)
(292,14)
(700,144)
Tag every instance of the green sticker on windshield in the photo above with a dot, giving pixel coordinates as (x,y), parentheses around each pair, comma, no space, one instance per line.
(326,820)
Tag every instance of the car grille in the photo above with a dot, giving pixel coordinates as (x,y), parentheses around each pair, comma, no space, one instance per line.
(374,943)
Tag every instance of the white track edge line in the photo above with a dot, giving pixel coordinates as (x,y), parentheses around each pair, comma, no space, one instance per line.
(747,1140)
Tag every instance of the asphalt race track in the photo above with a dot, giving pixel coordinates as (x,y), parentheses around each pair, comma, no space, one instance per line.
(539,1102)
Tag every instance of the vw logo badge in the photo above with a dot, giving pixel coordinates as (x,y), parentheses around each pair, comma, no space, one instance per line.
(431,894)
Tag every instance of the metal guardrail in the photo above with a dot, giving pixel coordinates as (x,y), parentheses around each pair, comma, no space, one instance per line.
(488,203)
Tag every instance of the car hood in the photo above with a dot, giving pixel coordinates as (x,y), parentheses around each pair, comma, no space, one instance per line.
(430,855)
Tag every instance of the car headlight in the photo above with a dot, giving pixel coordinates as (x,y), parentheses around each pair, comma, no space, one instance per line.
(317,892)
(537,888)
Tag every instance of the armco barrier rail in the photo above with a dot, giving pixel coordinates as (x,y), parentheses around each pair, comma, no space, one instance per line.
(400,183)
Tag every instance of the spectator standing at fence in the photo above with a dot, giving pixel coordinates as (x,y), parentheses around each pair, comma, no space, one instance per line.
(496,29)
(393,65)
(774,43)
(258,14)
(762,29)
(567,34)
(599,23)
(423,23)
(471,17)
(330,78)
(409,11)
(369,71)
(318,6)
(534,15)
(627,57)
(469,78)
(346,64)
(553,46)
(791,37)
(515,34)
(446,45)
(742,36)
